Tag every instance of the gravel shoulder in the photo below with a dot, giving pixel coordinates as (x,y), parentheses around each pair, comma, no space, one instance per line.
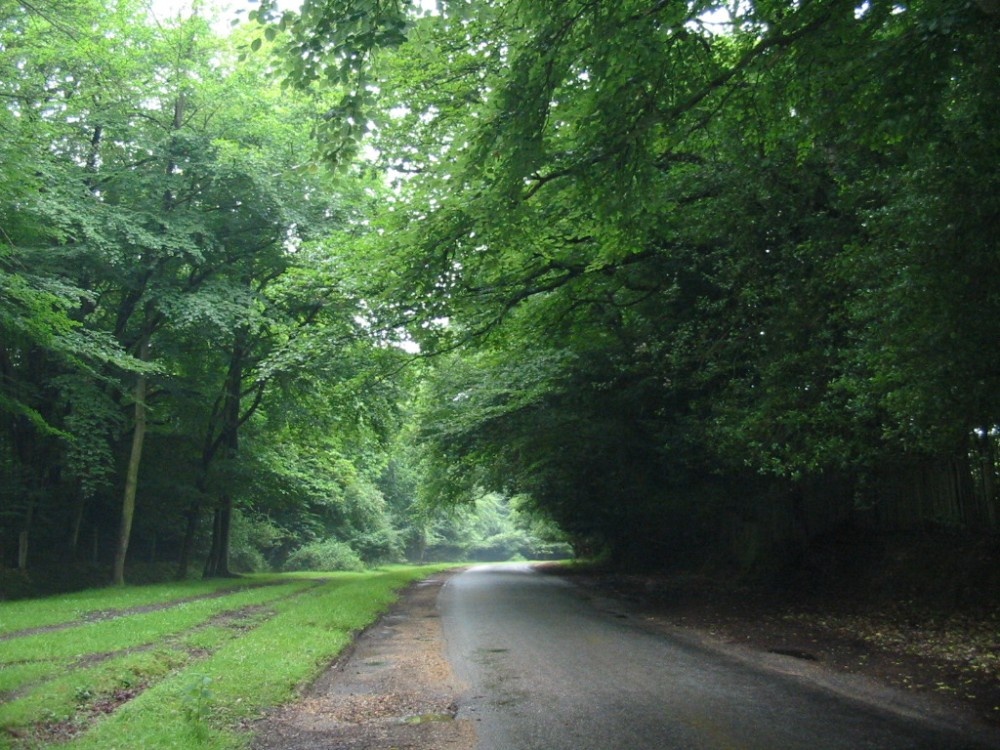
(393,689)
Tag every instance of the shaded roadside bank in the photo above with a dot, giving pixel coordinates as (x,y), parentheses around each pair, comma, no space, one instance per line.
(918,612)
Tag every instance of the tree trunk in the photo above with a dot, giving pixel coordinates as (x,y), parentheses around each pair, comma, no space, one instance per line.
(73,543)
(225,531)
(24,534)
(94,154)
(132,474)
(218,559)
(187,546)
(217,563)
(22,550)
(212,561)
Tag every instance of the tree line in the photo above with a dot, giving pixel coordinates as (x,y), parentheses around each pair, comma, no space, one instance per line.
(190,372)
(689,280)
(729,270)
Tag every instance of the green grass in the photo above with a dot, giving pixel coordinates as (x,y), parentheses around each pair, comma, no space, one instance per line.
(15,675)
(119,633)
(56,610)
(196,669)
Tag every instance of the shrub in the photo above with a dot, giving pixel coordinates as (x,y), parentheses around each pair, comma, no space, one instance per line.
(379,546)
(326,555)
(15,584)
(251,539)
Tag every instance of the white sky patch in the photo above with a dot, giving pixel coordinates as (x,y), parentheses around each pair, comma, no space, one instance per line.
(225,11)
(221,12)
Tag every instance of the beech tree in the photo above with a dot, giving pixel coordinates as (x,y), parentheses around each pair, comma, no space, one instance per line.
(168,281)
(686,278)
(716,252)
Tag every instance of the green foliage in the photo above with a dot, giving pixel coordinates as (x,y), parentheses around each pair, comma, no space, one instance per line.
(492,528)
(329,555)
(159,189)
(196,700)
(702,269)
(333,43)
(251,539)
(667,274)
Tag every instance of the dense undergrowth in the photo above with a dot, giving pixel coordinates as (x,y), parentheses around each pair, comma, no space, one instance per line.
(62,577)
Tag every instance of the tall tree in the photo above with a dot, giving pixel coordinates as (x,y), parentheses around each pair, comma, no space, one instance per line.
(171,287)
(692,211)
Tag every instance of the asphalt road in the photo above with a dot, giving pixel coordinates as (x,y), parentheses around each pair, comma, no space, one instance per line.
(547,668)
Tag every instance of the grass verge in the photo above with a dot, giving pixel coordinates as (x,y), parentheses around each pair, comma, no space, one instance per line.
(191,676)
(64,609)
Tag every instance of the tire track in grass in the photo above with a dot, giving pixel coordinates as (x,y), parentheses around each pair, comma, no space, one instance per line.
(134,630)
(76,678)
(268,666)
(25,614)
(40,671)
(100,615)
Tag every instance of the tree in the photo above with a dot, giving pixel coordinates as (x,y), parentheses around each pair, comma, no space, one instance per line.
(686,282)
(174,287)
(682,219)
(49,202)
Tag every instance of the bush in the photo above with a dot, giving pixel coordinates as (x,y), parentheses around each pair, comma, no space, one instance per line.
(248,560)
(58,578)
(327,555)
(15,584)
(251,539)
(379,547)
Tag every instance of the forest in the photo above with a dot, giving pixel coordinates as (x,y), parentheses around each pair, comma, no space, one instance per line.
(671,283)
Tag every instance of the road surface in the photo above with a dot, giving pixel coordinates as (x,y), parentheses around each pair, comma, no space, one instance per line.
(546,668)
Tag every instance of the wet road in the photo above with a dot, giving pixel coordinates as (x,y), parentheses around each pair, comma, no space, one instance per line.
(546,669)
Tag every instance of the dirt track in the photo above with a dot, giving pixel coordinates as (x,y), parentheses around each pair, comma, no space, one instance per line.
(393,689)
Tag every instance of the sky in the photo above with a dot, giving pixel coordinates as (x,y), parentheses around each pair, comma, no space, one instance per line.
(225,10)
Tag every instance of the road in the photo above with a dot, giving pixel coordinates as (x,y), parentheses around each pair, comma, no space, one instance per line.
(546,669)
